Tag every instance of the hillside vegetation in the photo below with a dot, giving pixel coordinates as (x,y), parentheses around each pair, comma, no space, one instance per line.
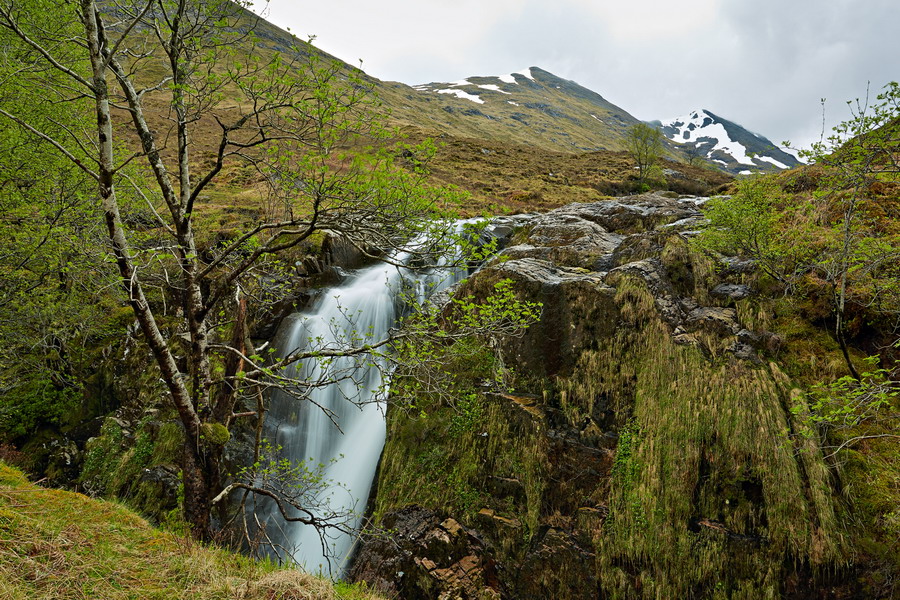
(59,545)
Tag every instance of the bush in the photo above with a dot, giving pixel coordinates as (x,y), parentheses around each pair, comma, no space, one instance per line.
(757,223)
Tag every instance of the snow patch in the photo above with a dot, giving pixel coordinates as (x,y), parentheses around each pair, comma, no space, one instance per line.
(778,164)
(493,88)
(746,173)
(508,78)
(463,95)
(598,118)
(513,103)
(700,124)
(525,73)
(459,83)
(793,152)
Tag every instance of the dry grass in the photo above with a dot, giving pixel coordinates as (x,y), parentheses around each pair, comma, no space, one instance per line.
(505,177)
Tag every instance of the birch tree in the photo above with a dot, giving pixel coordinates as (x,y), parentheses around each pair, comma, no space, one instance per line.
(859,153)
(181,95)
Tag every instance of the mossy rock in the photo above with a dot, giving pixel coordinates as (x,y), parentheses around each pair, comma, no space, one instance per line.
(215,434)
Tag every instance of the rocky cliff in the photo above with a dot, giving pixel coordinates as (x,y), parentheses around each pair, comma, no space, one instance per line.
(650,449)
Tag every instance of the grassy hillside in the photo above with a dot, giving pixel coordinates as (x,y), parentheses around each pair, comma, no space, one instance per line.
(510,178)
(59,545)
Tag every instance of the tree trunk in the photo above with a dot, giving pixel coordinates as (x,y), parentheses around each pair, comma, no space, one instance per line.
(196,484)
(196,492)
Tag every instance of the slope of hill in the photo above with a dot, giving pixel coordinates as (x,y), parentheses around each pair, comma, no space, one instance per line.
(726,143)
(535,107)
(528,107)
(57,545)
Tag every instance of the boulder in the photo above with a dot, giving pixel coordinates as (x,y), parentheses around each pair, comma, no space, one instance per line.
(578,309)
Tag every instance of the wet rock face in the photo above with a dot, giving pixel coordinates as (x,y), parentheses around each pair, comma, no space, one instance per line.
(566,240)
(635,214)
(537,534)
(569,259)
(577,309)
(430,555)
(557,567)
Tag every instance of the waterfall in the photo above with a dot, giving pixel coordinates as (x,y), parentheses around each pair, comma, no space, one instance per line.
(340,425)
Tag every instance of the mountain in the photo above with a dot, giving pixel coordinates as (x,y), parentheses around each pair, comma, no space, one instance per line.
(726,143)
(534,107)
(531,106)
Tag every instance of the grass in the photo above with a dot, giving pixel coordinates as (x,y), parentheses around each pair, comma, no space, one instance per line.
(508,177)
(59,545)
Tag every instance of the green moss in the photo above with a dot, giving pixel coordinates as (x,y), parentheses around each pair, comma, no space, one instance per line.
(215,434)
(708,443)
(168,444)
(451,472)
(115,459)
(717,489)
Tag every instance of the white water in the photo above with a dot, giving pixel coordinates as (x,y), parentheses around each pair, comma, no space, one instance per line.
(341,425)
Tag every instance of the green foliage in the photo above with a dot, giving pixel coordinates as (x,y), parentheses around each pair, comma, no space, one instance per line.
(449,366)
(469,415)
(626,476)
(848,410)
(865,144)
(645,144)
(443,350)
(50,319)
(860,154)
(758,222)
(35,402)
(847,402)
(842,240)
(298,129)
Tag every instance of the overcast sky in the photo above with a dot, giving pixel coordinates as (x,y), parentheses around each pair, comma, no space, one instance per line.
(762,63)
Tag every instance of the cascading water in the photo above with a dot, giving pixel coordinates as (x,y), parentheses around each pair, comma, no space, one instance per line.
(341,425)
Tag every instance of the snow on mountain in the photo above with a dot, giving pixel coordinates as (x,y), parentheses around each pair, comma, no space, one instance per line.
(727,143)
(530,106)
(474,95)
(535,106)
(461,94)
